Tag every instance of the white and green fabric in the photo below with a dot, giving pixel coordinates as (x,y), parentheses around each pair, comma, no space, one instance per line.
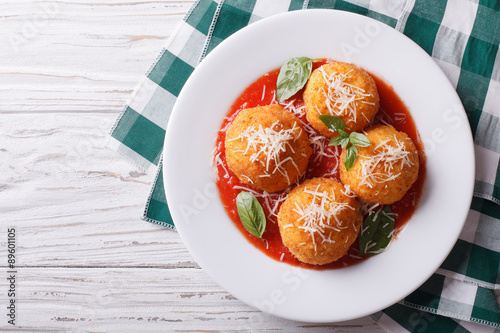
(463,37)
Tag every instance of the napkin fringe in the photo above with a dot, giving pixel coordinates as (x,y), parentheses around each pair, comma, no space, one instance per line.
(487,197)
(150,197)
(211,30)
(160,223)
(449,314)
(169,41)
(465,279)
(405,12)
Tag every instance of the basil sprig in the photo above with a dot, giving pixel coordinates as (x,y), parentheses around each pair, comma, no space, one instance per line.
(251,214)
(292,77)
(347,141)
(376,232)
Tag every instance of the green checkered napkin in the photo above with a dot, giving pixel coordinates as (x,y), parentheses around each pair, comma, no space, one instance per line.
(463,37)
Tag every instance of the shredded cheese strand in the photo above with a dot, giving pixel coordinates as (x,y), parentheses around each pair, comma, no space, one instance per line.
(320,216)
(317,142)
(386,156)
(340,96)
(269,144)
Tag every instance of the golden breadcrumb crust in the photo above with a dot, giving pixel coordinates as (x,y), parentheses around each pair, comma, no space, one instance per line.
(341,230)
(260,174)
(382,192)
(316,102)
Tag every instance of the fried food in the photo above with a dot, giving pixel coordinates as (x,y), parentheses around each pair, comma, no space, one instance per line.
(318,221)
(267,148)
(385,170)
(342,90)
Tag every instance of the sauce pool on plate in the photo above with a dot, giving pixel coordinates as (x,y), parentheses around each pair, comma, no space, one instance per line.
(324,162)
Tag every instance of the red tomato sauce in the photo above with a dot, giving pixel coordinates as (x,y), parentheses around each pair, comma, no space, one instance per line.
(262,92)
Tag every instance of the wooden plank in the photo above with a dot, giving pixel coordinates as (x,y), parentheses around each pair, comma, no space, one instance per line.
(85,56)
(133,300)
(74,201)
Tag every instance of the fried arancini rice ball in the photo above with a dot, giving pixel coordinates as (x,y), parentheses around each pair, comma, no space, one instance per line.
(267,148)
(385,170)
(342,90)
(318,221)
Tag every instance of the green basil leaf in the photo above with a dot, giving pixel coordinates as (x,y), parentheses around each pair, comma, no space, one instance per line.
(344,143)
(343,134)
(376,232)
(251,214)
(333,122)
(292,77)
(351,154)
(359,140)
(336,141)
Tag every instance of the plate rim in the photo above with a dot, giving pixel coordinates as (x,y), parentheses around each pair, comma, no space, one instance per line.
(170,191)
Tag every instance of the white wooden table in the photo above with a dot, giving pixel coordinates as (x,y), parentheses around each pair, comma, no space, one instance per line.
(85,262)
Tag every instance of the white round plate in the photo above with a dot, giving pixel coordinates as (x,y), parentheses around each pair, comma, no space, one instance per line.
(276,287)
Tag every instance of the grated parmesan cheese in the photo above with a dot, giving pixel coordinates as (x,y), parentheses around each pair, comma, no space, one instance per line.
(340,96)
(218,162)
(269,144)
(272,201)
(386,156)
(320,216)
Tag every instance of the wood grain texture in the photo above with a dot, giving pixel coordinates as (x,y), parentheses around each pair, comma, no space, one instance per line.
(122,299)
(86,262)
(63,181)
(80,56)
